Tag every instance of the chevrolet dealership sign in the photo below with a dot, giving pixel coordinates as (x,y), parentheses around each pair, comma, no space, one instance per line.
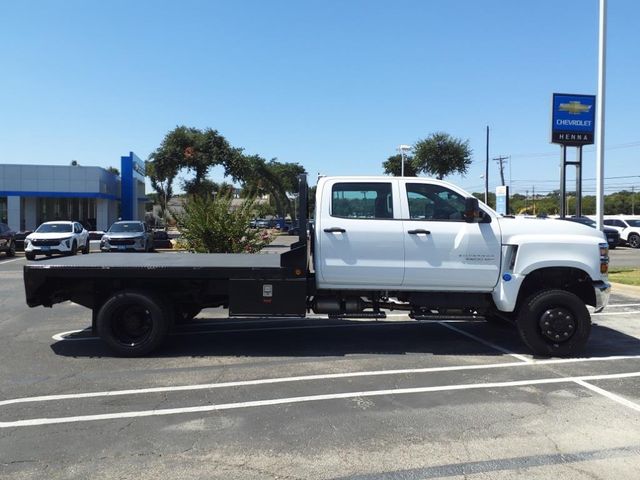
(573,119)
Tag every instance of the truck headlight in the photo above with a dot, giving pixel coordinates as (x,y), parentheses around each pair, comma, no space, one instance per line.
(604,257)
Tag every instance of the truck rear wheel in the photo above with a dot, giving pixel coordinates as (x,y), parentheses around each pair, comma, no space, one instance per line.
(133,323)
(554,323)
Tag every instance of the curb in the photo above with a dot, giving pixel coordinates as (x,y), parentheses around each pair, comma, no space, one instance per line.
(630,290)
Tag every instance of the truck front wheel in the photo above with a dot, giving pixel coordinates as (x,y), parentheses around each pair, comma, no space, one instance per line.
(554,323)
(133,323)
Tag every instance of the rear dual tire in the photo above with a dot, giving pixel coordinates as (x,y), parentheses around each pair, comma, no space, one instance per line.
(133,323)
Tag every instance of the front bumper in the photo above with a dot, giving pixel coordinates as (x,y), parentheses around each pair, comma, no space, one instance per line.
(47,249)
(123,245)
(602,290)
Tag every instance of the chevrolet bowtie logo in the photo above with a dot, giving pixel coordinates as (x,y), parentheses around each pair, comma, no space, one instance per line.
(574,107)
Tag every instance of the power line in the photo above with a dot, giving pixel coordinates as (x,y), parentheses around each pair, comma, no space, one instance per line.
(555,154)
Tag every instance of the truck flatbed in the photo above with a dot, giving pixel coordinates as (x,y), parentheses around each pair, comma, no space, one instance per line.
(82,278)
(207,263)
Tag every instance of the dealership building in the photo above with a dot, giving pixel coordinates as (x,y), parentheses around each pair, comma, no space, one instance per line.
(32,194)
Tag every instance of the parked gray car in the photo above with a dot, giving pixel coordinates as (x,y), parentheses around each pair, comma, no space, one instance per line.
(130,235)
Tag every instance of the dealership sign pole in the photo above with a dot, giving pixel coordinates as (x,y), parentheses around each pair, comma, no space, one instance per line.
(572,125)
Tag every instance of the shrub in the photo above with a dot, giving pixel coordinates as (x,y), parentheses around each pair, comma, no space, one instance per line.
(208,225)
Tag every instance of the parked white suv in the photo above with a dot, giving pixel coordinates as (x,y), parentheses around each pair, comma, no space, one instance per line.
(57,237)
(628,226)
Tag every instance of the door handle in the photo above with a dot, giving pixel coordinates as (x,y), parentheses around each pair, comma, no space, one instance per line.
(418,231)
(334,230)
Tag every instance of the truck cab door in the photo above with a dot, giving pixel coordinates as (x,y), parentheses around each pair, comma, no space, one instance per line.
(442,250)
(359,237)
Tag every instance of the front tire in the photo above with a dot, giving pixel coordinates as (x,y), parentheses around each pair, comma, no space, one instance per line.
(30,256)
(133,323)
(74,249)
(554,323)
(634,240)
(87,248)
(12,250)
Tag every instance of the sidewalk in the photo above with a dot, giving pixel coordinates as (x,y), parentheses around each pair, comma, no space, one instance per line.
(629,290)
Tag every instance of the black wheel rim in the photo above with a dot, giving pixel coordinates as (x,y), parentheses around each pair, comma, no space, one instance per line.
(558,324)
(132,325)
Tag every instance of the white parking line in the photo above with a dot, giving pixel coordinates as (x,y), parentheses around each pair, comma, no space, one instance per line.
(485,342)
(301,378)
(9,261)
(606,314)
(310,398)
(612,396)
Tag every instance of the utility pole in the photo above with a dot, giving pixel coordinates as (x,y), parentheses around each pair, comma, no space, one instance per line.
(500,161)
(486,172)
(534,199)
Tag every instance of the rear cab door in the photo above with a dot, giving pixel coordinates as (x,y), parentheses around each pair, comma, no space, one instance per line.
(359,233)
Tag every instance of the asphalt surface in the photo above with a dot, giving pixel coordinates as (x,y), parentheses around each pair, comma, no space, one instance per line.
(315,399)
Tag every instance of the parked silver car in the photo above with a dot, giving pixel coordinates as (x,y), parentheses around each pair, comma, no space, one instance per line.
(129,235)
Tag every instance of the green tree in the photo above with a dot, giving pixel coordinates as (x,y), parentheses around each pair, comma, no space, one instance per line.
(273,178)
(440,155)
(196,152)
(162,176)
(393,166)
(288,175)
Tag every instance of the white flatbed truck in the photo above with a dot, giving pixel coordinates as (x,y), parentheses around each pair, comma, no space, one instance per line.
(415,244)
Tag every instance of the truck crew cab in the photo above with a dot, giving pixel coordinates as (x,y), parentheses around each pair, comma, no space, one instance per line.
(378,243)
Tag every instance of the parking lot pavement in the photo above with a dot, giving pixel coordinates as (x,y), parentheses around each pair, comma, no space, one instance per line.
(315,398)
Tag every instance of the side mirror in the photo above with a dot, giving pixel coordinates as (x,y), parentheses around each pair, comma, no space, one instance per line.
(472,210)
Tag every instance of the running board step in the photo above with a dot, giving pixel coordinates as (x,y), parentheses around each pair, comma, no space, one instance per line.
(444,317)
(359,315)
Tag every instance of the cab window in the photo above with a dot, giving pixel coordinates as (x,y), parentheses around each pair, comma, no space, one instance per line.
(434,202)
(362,200)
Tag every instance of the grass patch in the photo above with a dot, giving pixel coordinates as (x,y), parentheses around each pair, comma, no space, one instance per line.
(628,276)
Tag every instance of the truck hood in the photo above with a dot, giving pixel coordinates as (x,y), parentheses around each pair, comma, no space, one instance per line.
(549,228)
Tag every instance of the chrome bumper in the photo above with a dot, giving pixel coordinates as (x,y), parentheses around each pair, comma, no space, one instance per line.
(602,290)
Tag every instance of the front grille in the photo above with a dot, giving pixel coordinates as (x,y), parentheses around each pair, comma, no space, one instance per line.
(47,243)
(122,241)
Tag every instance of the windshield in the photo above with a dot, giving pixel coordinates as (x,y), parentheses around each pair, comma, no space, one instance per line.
(583,220)
(54,228)
(126,227)
(634,223)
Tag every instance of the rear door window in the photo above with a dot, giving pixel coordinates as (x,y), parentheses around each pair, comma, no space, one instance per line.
(362,200)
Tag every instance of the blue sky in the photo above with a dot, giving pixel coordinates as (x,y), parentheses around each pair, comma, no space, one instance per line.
(333,85)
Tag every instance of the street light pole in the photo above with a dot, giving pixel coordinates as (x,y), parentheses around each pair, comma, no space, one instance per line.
(602,67)
(403,149)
